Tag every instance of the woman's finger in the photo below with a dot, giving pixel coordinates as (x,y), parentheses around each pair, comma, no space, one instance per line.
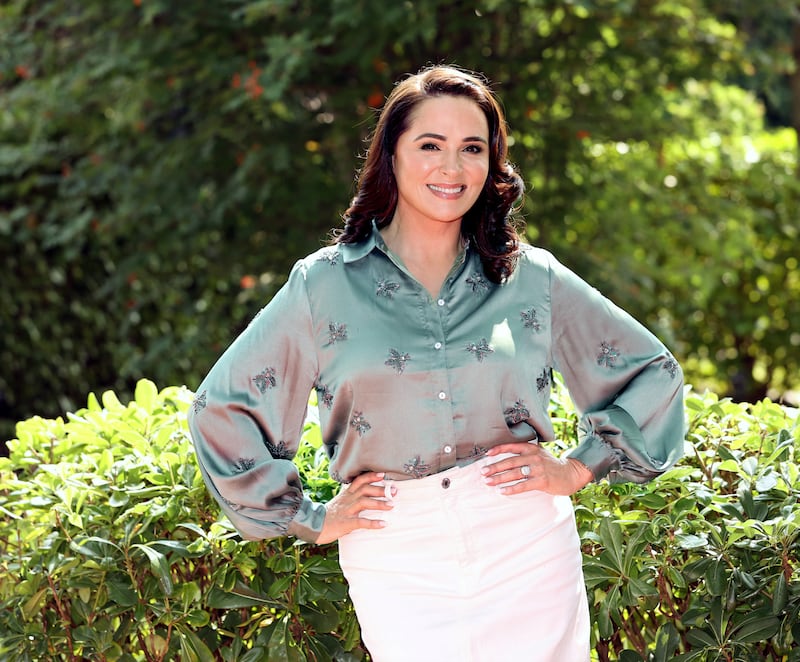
(517,448)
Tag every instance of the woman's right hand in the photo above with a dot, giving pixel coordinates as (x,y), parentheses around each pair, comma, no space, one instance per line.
(343,512)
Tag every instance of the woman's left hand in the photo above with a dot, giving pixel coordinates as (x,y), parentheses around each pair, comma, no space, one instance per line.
(544,472)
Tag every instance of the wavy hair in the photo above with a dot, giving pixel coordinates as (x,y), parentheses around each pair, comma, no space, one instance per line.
(488,224)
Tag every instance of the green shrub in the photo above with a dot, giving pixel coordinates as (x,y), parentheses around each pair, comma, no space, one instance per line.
(111,548)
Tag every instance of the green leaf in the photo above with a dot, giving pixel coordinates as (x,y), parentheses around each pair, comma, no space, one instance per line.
(33,604)
(158,564)
(133,438)
(146,395)
(755,628)
(780,596)
(691,541)
(192,647)
(700,638)
(729,465)
(667,642)
(111,402)
(716,577)
(323,617)
(197,618)
(121,593)
(237,597)
(255,654)
(278,650)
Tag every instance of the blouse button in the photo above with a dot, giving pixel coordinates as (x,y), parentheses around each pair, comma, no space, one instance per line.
(437,345)
(440,302)
(448,449)
(445,483)
(442,395)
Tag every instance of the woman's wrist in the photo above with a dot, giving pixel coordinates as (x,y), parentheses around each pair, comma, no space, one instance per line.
(583,475)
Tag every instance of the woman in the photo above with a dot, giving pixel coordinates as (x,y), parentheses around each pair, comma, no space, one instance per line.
(430,333)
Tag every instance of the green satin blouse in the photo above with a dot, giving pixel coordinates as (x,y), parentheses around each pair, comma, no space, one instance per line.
(412,385)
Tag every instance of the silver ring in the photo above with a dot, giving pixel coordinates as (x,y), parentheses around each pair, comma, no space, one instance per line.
(525,470)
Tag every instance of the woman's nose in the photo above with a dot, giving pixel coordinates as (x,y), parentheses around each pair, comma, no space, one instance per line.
(451,162)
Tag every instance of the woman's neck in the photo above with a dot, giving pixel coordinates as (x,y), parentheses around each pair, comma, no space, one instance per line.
(429,243)
(428,252)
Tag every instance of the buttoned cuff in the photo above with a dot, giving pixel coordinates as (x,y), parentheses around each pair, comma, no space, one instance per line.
(307,523)
(596,455)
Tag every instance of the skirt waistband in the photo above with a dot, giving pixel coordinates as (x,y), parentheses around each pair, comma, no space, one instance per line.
(452,480)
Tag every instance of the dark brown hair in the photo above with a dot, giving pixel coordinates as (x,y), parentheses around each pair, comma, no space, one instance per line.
(487,225)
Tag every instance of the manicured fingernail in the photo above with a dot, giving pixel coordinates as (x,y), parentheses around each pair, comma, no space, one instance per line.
(485,470)
(394,491)
(381,474)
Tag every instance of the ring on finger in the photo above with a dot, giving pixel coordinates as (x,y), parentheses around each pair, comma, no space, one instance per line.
(525,470)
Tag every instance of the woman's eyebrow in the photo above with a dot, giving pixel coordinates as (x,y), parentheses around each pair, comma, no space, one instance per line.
(438,136)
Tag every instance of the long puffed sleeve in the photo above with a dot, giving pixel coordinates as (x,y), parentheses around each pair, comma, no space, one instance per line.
(247,420)
(625,384)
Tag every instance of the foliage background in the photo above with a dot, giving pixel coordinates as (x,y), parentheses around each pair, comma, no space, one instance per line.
(111,548)
(162,164)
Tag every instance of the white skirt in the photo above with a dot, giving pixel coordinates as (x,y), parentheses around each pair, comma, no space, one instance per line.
(462,573)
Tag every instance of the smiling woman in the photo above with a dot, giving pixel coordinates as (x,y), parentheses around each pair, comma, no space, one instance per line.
(440,165)
(430,333)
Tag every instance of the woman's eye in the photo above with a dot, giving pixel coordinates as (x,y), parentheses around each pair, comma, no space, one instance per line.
(429,146)
(473,149)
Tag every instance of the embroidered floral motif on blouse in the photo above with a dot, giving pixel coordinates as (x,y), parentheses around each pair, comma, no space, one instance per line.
(517,413)
(243,464)
(529,319)
(671,366)
(279,452)
(265,379)
(478,282)
(477,451)
(199,401)
(235,507)
(397,360)
(359,423)
(543,380)
(331,257)
(386,288)
(480,350)
(336,332)
(416,467)
(324,395)
(608,355)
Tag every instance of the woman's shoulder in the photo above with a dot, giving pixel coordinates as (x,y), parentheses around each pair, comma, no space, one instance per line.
(535,257)
(322,262)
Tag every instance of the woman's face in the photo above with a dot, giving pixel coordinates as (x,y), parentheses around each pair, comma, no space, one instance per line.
(441,162)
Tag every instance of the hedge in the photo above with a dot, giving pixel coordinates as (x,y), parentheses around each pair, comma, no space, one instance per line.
(112,550)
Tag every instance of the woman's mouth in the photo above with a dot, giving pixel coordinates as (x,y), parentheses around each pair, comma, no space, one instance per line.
(447,190)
